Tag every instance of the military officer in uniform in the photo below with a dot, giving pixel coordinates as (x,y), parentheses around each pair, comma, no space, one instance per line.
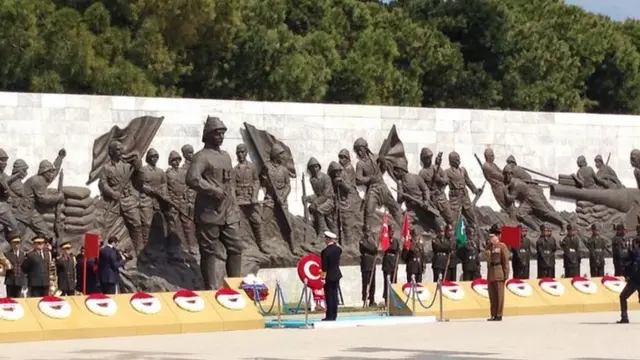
(521,256)
(414,257)
(546,248)
(571,253)
(497,255)
(14,279)
(368,254)
(452,271)
(66,266)
(620,246)
(441,247)
(36,268)
(389,262)
(597,247)
(469,255)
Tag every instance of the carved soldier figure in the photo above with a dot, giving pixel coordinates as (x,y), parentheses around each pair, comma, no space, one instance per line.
(414,193)
(620,246)
(368,247)
(585,177)
(369,174)
(571,253)
(38,197)
(155,180)
(522,174)
(345,198)
(442,248)
(493,175)
(597,246)
(458,196)
(436,179)
(187,154)
(521,256)
(414,257)
(178,193)
(216,211)
(546,248)
(518,172)
(276,181)
(607,177)
(246,183)
(530,201)
(469,256)
(66,270)
(117,189)
(348,172)
(7,219)
(321,203)
(16,187)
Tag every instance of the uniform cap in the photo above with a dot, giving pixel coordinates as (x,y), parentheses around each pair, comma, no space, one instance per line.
(173,155)
(569,227)
(511,159)
(426,152)
(544,226)
(344,153)
(38,239)
(334,166)
(595,227)
(45,166)
(495,229)
(598,158)
(213,123)
(276,150)
(65,245)
(241,147)
(360,142)
(401,164)
(185,148)
(313,162)
(16,239)
(330,235)
(19,165)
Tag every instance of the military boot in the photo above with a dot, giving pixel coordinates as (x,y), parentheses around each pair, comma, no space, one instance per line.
(208,270)
(234,265)
(259,235)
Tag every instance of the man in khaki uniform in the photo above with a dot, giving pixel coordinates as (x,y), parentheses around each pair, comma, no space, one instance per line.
(497,255)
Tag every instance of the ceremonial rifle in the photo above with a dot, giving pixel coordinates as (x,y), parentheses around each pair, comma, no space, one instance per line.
(306,210)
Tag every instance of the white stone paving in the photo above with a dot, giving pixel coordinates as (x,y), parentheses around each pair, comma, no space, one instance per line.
(576,336)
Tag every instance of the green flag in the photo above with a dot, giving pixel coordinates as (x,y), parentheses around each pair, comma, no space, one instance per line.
(461,235)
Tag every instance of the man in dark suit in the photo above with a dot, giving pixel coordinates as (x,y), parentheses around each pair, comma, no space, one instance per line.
(66,265)
(109,264)
(330,264)
(36,267)
(14,279)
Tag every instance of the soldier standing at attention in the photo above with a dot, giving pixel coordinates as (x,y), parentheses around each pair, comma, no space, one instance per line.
(414,257)
(597,247)
(389,261)
(497,255)
(521,256)
(571,253)
(66,266)
(620,246)
(441,248)
(15,279)
(368,252)
(247,185)
(546,248)
(469,254)
(452,271)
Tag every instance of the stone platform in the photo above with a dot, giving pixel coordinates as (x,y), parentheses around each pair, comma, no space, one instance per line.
(578,336)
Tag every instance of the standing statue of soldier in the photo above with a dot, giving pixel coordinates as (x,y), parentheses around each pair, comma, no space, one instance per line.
(469,255)
(521,256)
(571,253)
(16,187)
(345,197)
(276,181)
(620,246)
(247,186)
(436,179)
(348,172)
(321,203)
(155,181)
(177,189)
(117,188)
(607,177)
(216,212)
(414,193)
(187,155)
(7,218)
(458,196)
(38,197)
(369,174)
(546,248)
(597,246)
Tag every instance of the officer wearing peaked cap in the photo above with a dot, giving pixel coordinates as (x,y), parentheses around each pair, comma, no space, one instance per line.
(497,255)
(66,270)
(330,265)
(14,279)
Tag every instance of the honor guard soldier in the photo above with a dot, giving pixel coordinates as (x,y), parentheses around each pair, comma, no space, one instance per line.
(452,271)
(390,263)
(330,265)
(571,253)
(66,265)
(469,255)
(632,269)
(546,248)
(441,247)
(37,269)
(414,257)
(597,247)
(368,254)
(521,256)
(620,246)
(497,255)
(15,279)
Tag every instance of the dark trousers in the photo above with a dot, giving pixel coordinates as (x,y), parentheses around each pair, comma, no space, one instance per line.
(452,274)
(597,271)
(370,293)
(437,273)
(331,299)
(626,293)
(470,275)
(14,291)
(546,272)
(496,298)
(108,288)
(618,269)
(570,272)
(521,272)
(67,292)
(393,279)
(417,276)
(38,291)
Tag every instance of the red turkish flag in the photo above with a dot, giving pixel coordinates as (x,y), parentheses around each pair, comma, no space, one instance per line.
(406,226)
(510,235)
(384,233)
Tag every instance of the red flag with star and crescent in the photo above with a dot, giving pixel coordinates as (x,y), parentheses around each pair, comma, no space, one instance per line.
(406,227)
(384,233)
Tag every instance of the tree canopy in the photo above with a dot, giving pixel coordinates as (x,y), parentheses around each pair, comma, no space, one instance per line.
(539,55)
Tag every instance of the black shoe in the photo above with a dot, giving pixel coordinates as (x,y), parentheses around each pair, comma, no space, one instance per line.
(622,321)
(499,318)
(325,319)
(491,319)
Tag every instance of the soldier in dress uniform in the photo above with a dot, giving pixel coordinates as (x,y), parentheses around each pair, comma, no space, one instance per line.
(14,279)
(521,256)
(441,247)
(597,246)
(620,246)
(571,252)
(452,271)
(37,269)
(389,262)
(414,257)
(546,248)
(497,255)
(368,254)
(247,186)
(321,202)
(469,256)
(66,266)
